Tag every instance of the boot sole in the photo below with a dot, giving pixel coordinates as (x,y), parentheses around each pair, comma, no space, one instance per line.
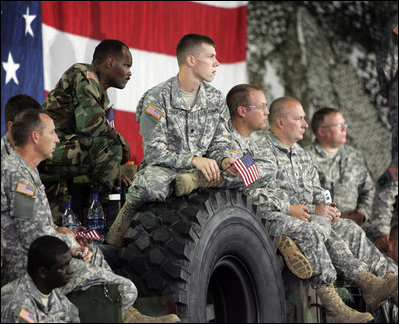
(294,259)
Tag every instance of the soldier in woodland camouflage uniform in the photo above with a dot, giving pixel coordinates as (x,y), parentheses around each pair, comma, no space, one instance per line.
(183,123)
(25,214)
(34,297)
(293,169)
(89,144)
(341,168)
(12,108)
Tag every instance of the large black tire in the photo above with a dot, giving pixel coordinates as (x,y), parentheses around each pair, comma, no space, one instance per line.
(210,254)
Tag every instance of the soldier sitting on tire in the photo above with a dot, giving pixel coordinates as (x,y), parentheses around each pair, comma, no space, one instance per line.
(183,124)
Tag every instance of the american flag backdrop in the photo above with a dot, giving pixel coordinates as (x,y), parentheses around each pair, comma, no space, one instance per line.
(42,39)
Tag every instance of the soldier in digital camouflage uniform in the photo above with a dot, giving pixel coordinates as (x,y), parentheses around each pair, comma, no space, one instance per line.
(183,123)
(248,111)
(385,207)
(387,69)
(34,297)
(385,204)
(13,107)
(89,144)
(294,171)
(341,168)
(26,215)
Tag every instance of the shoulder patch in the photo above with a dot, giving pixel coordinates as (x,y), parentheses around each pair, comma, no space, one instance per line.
(393,171)
(154,111)
(27,316)
(25,189)
(236,154)
(91,75)
(395,30)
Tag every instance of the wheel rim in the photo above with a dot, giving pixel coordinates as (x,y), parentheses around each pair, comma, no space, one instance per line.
(231,296)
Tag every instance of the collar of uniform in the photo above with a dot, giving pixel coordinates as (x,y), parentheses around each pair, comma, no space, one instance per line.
(276,142)
(247,143)
(34,291)
(177,95)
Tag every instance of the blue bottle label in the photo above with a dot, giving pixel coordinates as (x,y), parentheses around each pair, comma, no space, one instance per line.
(97,224)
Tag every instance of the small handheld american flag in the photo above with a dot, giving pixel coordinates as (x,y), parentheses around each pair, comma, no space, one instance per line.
(247,169)
(90,234)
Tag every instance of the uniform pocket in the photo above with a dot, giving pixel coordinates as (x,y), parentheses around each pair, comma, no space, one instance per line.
(24,206)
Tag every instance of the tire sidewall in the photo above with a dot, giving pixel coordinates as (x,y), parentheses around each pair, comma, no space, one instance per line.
(233,230)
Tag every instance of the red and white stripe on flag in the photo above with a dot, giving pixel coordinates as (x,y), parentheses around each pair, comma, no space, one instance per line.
(247,169)
(151,29)
(90,234)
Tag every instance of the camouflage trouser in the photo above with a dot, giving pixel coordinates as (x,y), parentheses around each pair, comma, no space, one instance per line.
(99,158)
(98,272)
(153,183)
(362,248)
(322,247)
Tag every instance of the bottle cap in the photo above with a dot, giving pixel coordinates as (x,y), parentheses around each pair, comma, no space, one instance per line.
(95,196)
(68,205)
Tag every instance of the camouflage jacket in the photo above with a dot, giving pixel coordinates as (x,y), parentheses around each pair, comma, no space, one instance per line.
(25,214)
(295,174)
(385,207)
(346,176)
(78,105)
(173,132)
(21,303)
(264,192)
(6,147)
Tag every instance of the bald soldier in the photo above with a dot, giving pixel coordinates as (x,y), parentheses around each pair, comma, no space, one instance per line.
(294,171)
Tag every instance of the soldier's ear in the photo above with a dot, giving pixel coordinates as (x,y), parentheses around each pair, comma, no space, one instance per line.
(241,111)
(190,60)
(109,62)
(42,272)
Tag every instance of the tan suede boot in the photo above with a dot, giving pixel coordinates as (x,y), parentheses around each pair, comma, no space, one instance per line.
(387,277)
(134,316)
(375,290)
(295,260)
(120,225)
(336,310)
(185,183)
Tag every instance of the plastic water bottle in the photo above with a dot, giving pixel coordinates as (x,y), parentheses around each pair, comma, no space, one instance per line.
(95,215)
(69,220)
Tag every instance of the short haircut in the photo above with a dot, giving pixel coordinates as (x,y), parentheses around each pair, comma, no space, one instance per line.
(393,235)
(43,252)
(318,117)
(238,96)
(108,48)
(277,108)
(25,123)
(18,104)
(190,42)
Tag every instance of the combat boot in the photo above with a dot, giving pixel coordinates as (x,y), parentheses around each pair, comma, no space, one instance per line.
(295,260)
(387,277)
(185,183)
(336,310)
(375,290)
(120,225)
(134,316)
